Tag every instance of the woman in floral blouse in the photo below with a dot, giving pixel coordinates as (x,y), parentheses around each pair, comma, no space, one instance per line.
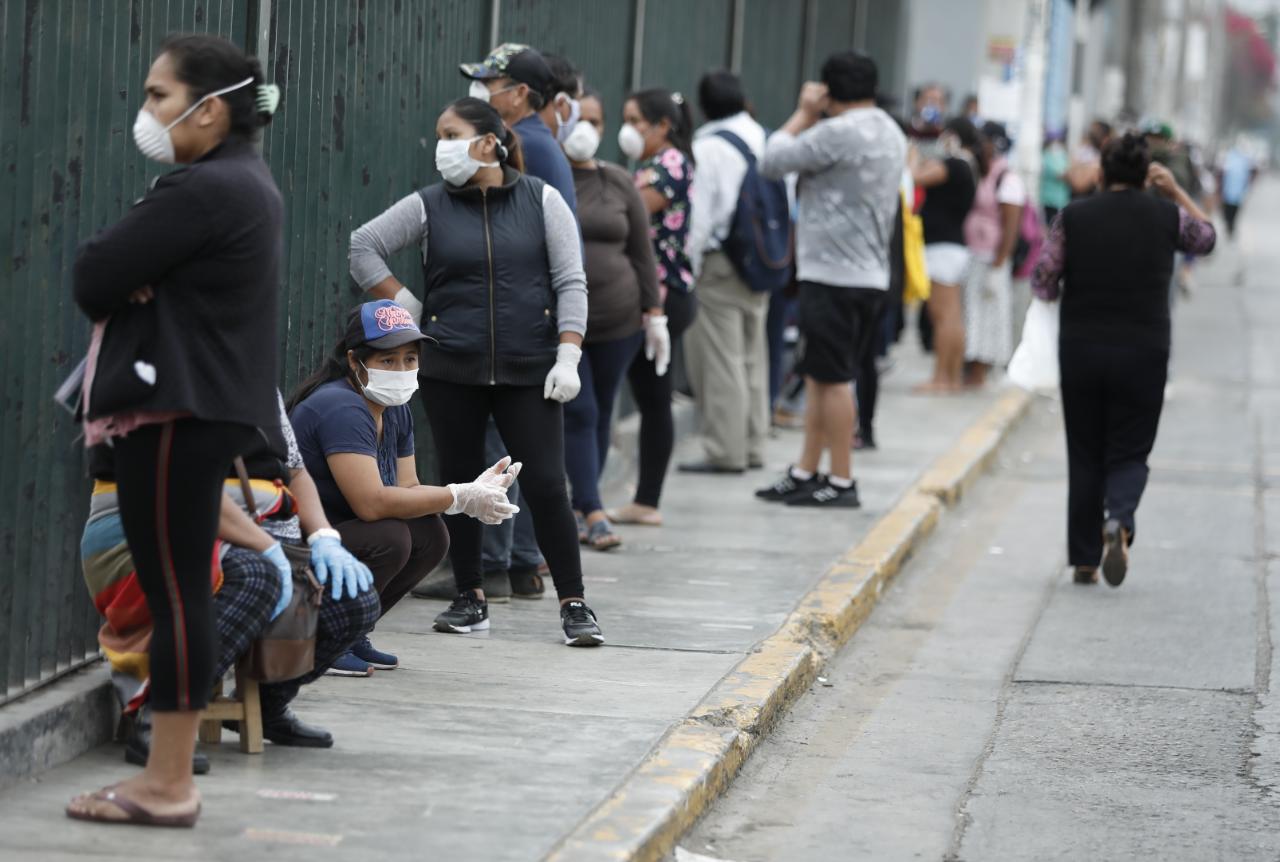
(657,132)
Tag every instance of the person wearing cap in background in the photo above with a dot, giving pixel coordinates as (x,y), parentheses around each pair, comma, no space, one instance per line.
(355,431)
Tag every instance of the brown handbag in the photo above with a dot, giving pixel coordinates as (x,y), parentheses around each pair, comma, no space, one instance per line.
(286,649)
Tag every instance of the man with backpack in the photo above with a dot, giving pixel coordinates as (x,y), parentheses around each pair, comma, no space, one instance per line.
(740,246)
(850,156)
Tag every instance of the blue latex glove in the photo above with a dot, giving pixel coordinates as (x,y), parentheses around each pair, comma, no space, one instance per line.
(275,554)
(329,558)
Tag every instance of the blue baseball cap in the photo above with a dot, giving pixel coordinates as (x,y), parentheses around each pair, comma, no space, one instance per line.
(382,325)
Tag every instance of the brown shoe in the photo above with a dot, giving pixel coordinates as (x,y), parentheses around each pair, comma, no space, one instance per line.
(1115,552)
(1085,575)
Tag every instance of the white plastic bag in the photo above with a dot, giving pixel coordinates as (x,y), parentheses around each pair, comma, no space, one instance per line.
(1035,363)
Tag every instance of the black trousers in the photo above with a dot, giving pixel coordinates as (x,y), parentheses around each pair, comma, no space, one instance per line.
(652,395)
(169,481)
(1112,396)
(399,553)
(533,429)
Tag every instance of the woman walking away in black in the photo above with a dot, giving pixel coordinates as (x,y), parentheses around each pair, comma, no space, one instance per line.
(182,368)
(505,311)
(657,132)
(1110,258)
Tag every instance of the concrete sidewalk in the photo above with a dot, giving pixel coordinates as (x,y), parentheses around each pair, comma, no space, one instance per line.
(496,746)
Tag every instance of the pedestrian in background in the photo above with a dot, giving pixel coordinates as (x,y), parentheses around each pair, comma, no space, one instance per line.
(624,314)
(505,311)
(951,184)
(991,233)
(849,155)
(726,347)
(1055,192)
(1110,259)
(187,280)
(657,132)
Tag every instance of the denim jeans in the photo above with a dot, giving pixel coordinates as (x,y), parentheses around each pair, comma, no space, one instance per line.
(510,544)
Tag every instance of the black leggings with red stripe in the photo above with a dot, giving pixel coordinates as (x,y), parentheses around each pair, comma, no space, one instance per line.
(169,481)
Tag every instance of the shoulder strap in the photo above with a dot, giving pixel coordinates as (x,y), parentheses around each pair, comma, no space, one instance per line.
(246,488)
(738,144)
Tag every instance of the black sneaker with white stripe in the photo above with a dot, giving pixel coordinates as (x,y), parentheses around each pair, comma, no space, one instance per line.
(467,614)
(789,486)
(580,626)
(828,496)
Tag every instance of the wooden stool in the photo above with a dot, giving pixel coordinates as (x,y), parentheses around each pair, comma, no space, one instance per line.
(247,710)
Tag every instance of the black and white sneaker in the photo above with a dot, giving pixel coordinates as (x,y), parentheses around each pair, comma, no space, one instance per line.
(580,627)
(467,614)
(828,496)
(789,486)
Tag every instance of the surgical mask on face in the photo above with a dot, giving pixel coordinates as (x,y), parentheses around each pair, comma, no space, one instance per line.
(389,388)
(564,128)
(631,142)
(478,90)
(582,143)
(153,139)
(455,162)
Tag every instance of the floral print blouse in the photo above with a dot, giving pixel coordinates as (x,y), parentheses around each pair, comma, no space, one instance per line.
(670,173)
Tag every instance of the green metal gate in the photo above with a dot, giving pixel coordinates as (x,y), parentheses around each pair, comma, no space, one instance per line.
(363,82)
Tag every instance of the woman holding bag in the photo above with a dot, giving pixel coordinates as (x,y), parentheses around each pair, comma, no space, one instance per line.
(1110,259)
(181,372)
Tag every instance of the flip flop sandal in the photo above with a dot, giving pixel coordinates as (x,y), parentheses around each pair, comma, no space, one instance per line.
(135,814)
(601,537)
(631,515)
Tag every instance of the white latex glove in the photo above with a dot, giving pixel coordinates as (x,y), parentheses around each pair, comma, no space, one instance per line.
(657,342)
(563,383)
(488,504)
(501,475)
(407,300)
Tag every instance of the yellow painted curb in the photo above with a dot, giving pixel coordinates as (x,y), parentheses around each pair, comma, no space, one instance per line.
(695,761)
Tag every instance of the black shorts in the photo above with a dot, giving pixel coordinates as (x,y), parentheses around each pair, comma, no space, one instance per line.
(837,327)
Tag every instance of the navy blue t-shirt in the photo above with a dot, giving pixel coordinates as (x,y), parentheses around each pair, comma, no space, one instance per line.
(544,159)
(336,419)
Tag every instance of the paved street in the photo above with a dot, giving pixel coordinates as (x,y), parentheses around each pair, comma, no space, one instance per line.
(991,709)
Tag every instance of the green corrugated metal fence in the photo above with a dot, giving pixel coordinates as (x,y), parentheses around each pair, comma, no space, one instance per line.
(363,82)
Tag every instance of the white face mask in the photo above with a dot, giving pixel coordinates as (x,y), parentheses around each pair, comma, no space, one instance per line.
(455,163)
(631,142)
(153,139)
(390,388)
(564,128)
(478,90)
(582,143)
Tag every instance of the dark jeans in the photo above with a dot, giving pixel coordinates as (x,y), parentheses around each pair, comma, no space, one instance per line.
(588,419)
(1112,396)
(511,544)
(399,553)
(533,429)
(867,385)
(170,491)
(653,398)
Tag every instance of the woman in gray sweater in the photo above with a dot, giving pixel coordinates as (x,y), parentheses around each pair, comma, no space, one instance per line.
(624,313)
(505,311)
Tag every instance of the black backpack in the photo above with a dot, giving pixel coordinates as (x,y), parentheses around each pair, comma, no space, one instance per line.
(760,244)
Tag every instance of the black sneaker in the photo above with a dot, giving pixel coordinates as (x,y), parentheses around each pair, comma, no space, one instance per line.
(789,486)
(580,627)
(828,496)
(467,614)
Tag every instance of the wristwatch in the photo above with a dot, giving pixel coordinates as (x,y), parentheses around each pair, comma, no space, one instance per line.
(326,533)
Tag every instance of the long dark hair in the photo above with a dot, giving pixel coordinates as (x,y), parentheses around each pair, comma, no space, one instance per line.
(487,121)
(657,105)
(335,367)
(971,141)
(208,63)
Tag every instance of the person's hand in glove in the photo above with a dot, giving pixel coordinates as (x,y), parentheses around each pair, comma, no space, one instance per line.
(563,383)
(657,342)
(275,555)
(330,559)
(405,299)
(501,475)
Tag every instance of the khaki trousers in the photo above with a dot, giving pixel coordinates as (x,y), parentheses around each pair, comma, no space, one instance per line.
(727,356)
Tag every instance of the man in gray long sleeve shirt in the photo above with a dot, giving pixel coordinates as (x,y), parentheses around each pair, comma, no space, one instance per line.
(849,155)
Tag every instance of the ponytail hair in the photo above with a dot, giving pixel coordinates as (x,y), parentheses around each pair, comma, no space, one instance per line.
(657,105)
(335,367)
(207,64)
(486,120)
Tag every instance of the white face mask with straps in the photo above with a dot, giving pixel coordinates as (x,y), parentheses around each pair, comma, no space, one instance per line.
(154,140)
(455,162)
(389,388)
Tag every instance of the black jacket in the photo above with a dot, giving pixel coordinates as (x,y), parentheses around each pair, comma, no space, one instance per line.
(489,303)
(208,239)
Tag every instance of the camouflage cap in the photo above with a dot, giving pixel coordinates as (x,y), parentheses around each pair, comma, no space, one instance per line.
(520,63)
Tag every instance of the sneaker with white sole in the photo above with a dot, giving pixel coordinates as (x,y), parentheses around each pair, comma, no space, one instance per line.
(349,664)
(374,657)
(580,626)
(828,496)
(789,486)
(467,614)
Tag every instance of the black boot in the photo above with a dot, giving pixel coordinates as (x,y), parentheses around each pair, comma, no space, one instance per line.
(138,746)
(285,728)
